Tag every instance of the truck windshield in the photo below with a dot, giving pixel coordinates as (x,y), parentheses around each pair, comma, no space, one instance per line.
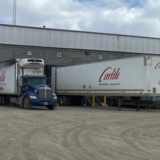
(36,81)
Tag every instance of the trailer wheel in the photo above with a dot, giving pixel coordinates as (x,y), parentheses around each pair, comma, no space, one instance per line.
(63,100)
(26,103)
(51,107)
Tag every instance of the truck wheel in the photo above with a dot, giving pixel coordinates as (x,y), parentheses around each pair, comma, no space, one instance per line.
(51,107)
(26,103)
(63,100)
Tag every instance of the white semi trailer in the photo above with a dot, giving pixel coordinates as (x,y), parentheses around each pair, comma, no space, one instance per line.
(134,77)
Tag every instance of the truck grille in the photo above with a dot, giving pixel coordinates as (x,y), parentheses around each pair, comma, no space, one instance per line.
(44,94)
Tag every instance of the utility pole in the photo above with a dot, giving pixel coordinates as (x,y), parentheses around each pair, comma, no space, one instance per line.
(14,12)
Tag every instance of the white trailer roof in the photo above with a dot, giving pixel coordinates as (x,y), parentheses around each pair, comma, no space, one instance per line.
(46,37)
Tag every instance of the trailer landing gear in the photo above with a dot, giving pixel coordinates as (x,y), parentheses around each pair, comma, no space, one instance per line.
(119,101)
(136,100)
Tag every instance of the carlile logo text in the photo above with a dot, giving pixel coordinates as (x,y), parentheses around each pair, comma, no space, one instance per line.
(109,74)
(157,66)
(2,77)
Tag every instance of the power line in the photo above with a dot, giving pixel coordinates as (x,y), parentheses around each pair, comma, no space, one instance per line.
(14,12)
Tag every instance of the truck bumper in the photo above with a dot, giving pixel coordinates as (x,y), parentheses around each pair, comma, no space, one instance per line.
(36,102)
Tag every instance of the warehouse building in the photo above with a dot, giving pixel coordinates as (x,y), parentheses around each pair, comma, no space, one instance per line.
(66,47)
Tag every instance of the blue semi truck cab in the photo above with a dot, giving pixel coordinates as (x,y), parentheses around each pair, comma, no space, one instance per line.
(36,92)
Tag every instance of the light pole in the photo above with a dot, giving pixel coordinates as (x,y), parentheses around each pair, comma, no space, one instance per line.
(14,12)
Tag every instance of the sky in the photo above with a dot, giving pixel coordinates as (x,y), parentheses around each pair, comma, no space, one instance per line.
(128,17)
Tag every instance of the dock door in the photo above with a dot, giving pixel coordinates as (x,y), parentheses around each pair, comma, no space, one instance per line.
(47,72)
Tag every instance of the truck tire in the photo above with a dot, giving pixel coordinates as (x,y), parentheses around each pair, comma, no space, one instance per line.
(63,100)
(26,103)
(51,107)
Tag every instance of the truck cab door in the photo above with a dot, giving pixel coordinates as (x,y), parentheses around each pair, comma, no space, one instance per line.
(24,87)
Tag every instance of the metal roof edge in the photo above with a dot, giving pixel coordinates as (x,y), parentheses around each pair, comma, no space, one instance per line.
(29,27)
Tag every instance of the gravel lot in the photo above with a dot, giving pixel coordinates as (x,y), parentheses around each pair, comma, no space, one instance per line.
(79,133)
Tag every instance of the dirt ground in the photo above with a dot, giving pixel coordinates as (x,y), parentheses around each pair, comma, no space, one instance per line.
(79,133)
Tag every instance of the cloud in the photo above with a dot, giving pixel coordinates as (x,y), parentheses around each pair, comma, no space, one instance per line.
(131,17)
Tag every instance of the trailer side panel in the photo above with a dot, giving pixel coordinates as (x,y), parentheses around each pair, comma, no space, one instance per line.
(128,76)
(8,76)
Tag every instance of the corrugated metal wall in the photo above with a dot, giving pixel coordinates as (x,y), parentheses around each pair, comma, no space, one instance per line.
(77,40)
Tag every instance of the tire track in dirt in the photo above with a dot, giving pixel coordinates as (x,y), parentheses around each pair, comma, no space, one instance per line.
(79,135)
(133,136)
(7,141)
(115,154)
(70,145)
(33,153)
(72,137)
(54,151)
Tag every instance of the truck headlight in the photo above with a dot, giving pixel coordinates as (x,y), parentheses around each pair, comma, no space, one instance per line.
(33,97)
(55,97)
